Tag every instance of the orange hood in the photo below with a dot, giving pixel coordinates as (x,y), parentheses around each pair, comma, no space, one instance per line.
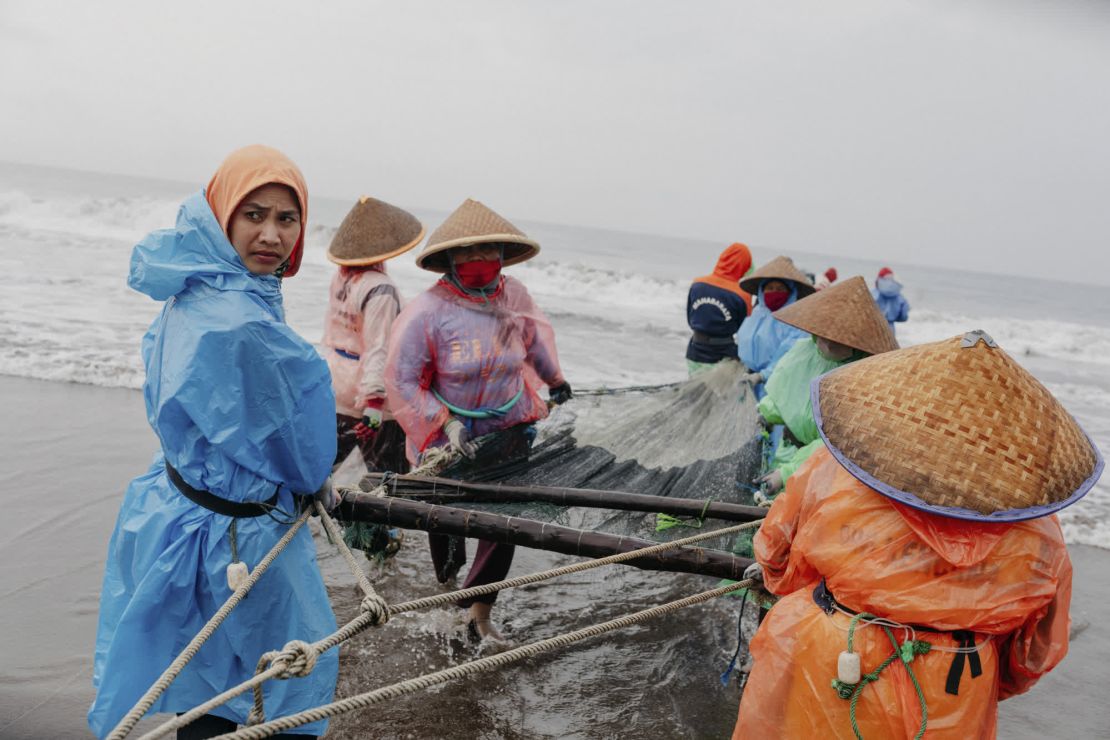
(959,542)
(732,265)
(249,168)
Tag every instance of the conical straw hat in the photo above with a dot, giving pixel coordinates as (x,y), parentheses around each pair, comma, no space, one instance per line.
(957,428)
(780,268)
(473,223)
(844,313)
(372,232)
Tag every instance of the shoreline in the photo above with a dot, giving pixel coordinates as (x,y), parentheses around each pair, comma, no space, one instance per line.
(68,452)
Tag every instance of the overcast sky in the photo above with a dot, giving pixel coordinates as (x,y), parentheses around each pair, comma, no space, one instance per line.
(948,132)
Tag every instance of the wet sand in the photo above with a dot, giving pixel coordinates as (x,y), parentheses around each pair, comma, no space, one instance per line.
(68,451)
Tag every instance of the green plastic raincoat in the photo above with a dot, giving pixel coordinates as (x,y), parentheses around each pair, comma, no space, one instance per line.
(788,403)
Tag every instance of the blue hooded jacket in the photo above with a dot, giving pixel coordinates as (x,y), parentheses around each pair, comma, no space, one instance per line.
(242,406)
(763,339)
(888,294)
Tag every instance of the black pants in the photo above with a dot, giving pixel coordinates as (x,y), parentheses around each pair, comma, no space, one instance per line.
(498,453)
(384,450)
(210,725)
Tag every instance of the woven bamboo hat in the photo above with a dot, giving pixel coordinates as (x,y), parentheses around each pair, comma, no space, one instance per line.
(780,268)
(372,232)
(956,428)
(473,223)
(844,313)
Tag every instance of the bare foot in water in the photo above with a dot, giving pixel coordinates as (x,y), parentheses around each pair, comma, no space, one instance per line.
(481,628)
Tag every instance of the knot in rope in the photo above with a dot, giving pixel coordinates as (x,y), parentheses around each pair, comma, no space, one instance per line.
(296,659)
(376,606)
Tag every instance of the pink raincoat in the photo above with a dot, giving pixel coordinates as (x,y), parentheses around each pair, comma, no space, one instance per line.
(361,310)
(475,354)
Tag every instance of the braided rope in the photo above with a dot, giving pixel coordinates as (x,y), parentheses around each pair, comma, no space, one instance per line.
(372,601)
(369,617)
(500,660)
(469,593)
(127,724)
(295,660)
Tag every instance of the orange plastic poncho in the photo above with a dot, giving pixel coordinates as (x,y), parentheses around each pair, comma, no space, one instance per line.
(732,265)
(1008,583)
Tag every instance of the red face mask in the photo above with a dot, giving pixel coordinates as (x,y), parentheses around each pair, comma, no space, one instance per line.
(478,274)
(775,299)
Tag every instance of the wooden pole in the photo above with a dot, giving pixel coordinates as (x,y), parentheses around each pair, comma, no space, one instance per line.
(448,490)
(397,512)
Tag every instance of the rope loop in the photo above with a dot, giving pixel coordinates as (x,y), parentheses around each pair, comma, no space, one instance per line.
(296,659)
(377,608)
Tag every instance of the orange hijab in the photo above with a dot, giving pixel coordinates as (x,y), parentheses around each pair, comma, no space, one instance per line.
(250,168)
(733,263)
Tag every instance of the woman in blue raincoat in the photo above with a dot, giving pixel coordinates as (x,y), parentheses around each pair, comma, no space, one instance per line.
(763,339)
(888,294)
(244,410)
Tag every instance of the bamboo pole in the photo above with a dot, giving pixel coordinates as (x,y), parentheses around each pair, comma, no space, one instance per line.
(447,490)
(397,512)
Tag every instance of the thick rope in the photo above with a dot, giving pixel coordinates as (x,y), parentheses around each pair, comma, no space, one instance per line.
(369,617)
(373,605)
(469,593)
(500,660)
(127,724)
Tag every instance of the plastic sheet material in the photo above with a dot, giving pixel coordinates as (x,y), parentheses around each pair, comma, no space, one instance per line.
(888,295)
(362,306)
(787,402)
(1010,583)
(763,339)
(477,354)
(241,405)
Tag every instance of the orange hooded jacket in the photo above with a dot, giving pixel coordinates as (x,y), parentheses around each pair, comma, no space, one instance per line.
(1008,583)
(732,265)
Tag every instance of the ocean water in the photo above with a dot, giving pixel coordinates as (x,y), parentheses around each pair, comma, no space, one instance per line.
(616,299)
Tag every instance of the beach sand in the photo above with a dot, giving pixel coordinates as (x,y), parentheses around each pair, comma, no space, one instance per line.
(67,453)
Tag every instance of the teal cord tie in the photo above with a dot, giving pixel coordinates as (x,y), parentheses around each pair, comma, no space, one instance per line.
(904,652)
(481,413)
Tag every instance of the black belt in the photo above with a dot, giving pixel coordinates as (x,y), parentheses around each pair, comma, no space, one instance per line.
(212,502)
(703,338)
(964,639)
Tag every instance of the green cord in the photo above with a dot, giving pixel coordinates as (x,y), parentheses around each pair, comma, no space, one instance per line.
(906,652)
(664,522)
(480,413)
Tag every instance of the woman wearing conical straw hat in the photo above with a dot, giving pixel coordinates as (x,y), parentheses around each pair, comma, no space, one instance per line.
(919,558)
(762,339)
(844,326)
(362,306)
(243,409)
(467,360)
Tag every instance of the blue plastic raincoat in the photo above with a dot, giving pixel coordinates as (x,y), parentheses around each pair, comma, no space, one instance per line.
(242,405)
(763,339)
(888,294)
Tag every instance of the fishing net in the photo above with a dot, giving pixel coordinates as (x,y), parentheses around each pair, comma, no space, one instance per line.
(699,439)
